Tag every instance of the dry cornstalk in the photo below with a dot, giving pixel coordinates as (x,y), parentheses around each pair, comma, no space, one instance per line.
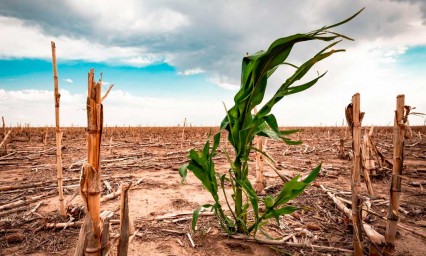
(57,96)
(30,185)
(106,216)
(342,148)
(367,163)
(111,196)
(45,137)
(398,159)
(177,215)
(86,227)
(75,224)
(46,184)
(123,243)
(4,142)
(372,234)
(354,117)
(108,186)
(15,209)
(24,201)
(107,92)
(64,225)
(283,177)
(90,185)
(4,135)
(312,247)
(183,133)
(380,158)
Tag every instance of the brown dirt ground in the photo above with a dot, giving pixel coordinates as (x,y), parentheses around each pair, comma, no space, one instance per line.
(154,154)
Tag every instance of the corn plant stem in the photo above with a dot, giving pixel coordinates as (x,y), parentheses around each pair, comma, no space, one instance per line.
(227,202)
(268,210)
(398,159)
(58,132)
(238,197)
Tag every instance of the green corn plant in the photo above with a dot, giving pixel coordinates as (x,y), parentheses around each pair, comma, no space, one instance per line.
(242,127)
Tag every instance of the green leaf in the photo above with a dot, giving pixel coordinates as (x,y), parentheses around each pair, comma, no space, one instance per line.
(288,132)
(313,174)
(269,201)
(290,142)
(264,154)
(272,122)
(289,191)
(198,158)
(269,133)
(183,172)
(279,212)
(287,210)
(206,148)
(216,141)
(195,216)
(300,88)
(344,21)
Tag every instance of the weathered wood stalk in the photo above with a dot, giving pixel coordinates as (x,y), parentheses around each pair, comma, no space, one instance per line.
(57,96)
(4,141)
(367,163)
(4,136)
(90,185)
(123,243)
(398,160)
(354,118)
(183,133)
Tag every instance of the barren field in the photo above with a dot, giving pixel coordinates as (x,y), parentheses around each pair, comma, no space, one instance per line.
(159,204)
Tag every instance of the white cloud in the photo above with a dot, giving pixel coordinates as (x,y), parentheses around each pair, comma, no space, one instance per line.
(224,82)
(142,61)
(37,45)
(120,108)
(190,72)
(133,17)
(68,80)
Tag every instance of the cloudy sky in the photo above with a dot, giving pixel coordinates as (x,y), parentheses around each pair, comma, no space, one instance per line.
(175,59)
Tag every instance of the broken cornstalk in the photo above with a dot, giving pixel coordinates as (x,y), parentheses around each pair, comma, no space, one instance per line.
(354,118)
(183,133)
(4,142)
(123,243)
(58,132)
(4,135)
(90,185)
(367,162)
(398,159)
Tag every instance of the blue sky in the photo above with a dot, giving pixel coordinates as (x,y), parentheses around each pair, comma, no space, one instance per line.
(175,59)
(413,59)
(155,80)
